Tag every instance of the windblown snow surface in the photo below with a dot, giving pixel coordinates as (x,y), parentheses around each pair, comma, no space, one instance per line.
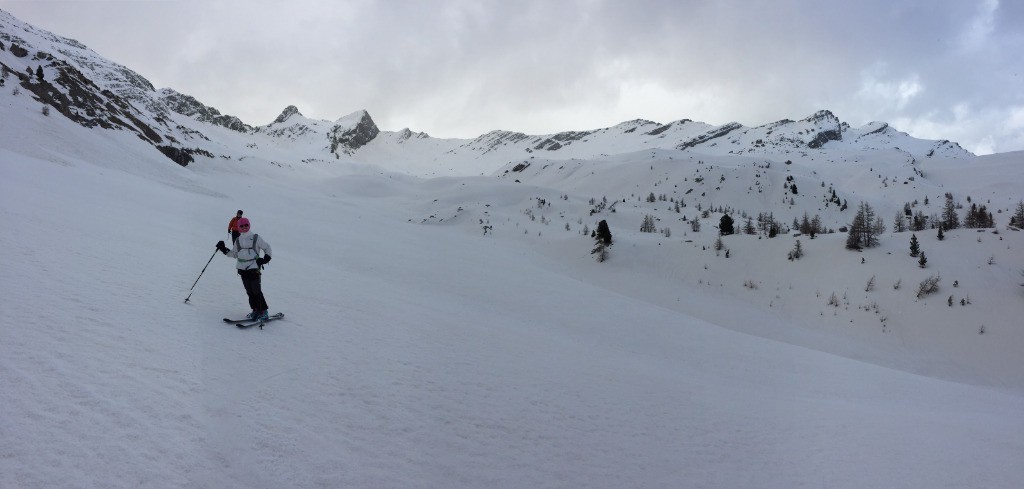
(419,352)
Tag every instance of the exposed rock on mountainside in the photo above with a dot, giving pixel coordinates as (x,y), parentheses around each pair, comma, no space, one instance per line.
(352,132)
(287,113)
(187,105)
(710,135)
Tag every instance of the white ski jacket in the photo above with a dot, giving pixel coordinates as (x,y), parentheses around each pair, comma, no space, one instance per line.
(247,251)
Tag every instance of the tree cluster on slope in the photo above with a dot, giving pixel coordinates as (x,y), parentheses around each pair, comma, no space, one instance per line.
(865,228)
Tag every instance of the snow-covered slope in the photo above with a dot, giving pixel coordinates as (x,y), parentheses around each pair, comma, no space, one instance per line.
(457,331)
(418,352)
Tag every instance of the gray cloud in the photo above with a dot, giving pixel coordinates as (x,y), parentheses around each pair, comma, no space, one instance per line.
(940,69)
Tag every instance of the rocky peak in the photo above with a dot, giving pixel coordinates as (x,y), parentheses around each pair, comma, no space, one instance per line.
(353,132)
(828,128)
(286,113)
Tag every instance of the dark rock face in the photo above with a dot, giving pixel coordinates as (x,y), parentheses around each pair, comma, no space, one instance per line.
(830,128)
(286,113)
(189,106)
(708,136)
(178,155)
(561,139)
(824,137)
(349,139)
(86,104)
(18,51)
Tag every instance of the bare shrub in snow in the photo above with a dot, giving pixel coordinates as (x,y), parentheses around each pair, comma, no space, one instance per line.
(928,286)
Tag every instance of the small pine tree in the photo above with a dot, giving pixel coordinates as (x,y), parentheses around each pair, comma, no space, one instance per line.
(1018,215)
(915,248)
(796,252)
(940,236)
(604,234)
(604,239)
(898,223)
(749,226)
(950,219)
(725,225)
(922,260)
(39,72)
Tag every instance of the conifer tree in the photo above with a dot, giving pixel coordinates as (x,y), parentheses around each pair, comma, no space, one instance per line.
(1018,215)
(725,225)
(816,225)
(922,261)
(899,225)
(950,219)
(749,226)
(865,228)
(915,248)
(648,224)
(604,235)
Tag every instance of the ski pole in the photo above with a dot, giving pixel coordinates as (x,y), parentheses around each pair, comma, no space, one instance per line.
(200,275)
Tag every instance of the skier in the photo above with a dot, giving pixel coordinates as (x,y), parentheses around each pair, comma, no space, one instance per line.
(246,249)
(233,226)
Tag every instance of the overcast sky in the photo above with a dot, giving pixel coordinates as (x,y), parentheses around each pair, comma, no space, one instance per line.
(937,69)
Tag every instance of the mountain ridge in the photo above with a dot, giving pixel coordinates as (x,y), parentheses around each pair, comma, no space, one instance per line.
(96,92)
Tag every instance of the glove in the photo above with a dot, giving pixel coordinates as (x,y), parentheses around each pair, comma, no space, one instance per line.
(221,248)
(263,261)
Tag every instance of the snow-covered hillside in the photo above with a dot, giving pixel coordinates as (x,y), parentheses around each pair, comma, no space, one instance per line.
(448,326)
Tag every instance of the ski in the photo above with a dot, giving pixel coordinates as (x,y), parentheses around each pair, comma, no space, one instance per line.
(248,323)
(247,320)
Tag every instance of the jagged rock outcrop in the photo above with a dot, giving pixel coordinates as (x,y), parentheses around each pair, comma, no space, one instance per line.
(187,105)
(352,132)
(561,139)
(710,135)
(828,126)
(287,113)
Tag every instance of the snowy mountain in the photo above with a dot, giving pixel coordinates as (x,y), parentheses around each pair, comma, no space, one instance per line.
(447,323)
(96,92)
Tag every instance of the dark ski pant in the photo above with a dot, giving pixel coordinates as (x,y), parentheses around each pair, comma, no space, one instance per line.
(251,282)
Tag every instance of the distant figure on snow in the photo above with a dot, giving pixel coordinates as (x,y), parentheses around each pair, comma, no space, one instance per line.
(233,226)
(247,250)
